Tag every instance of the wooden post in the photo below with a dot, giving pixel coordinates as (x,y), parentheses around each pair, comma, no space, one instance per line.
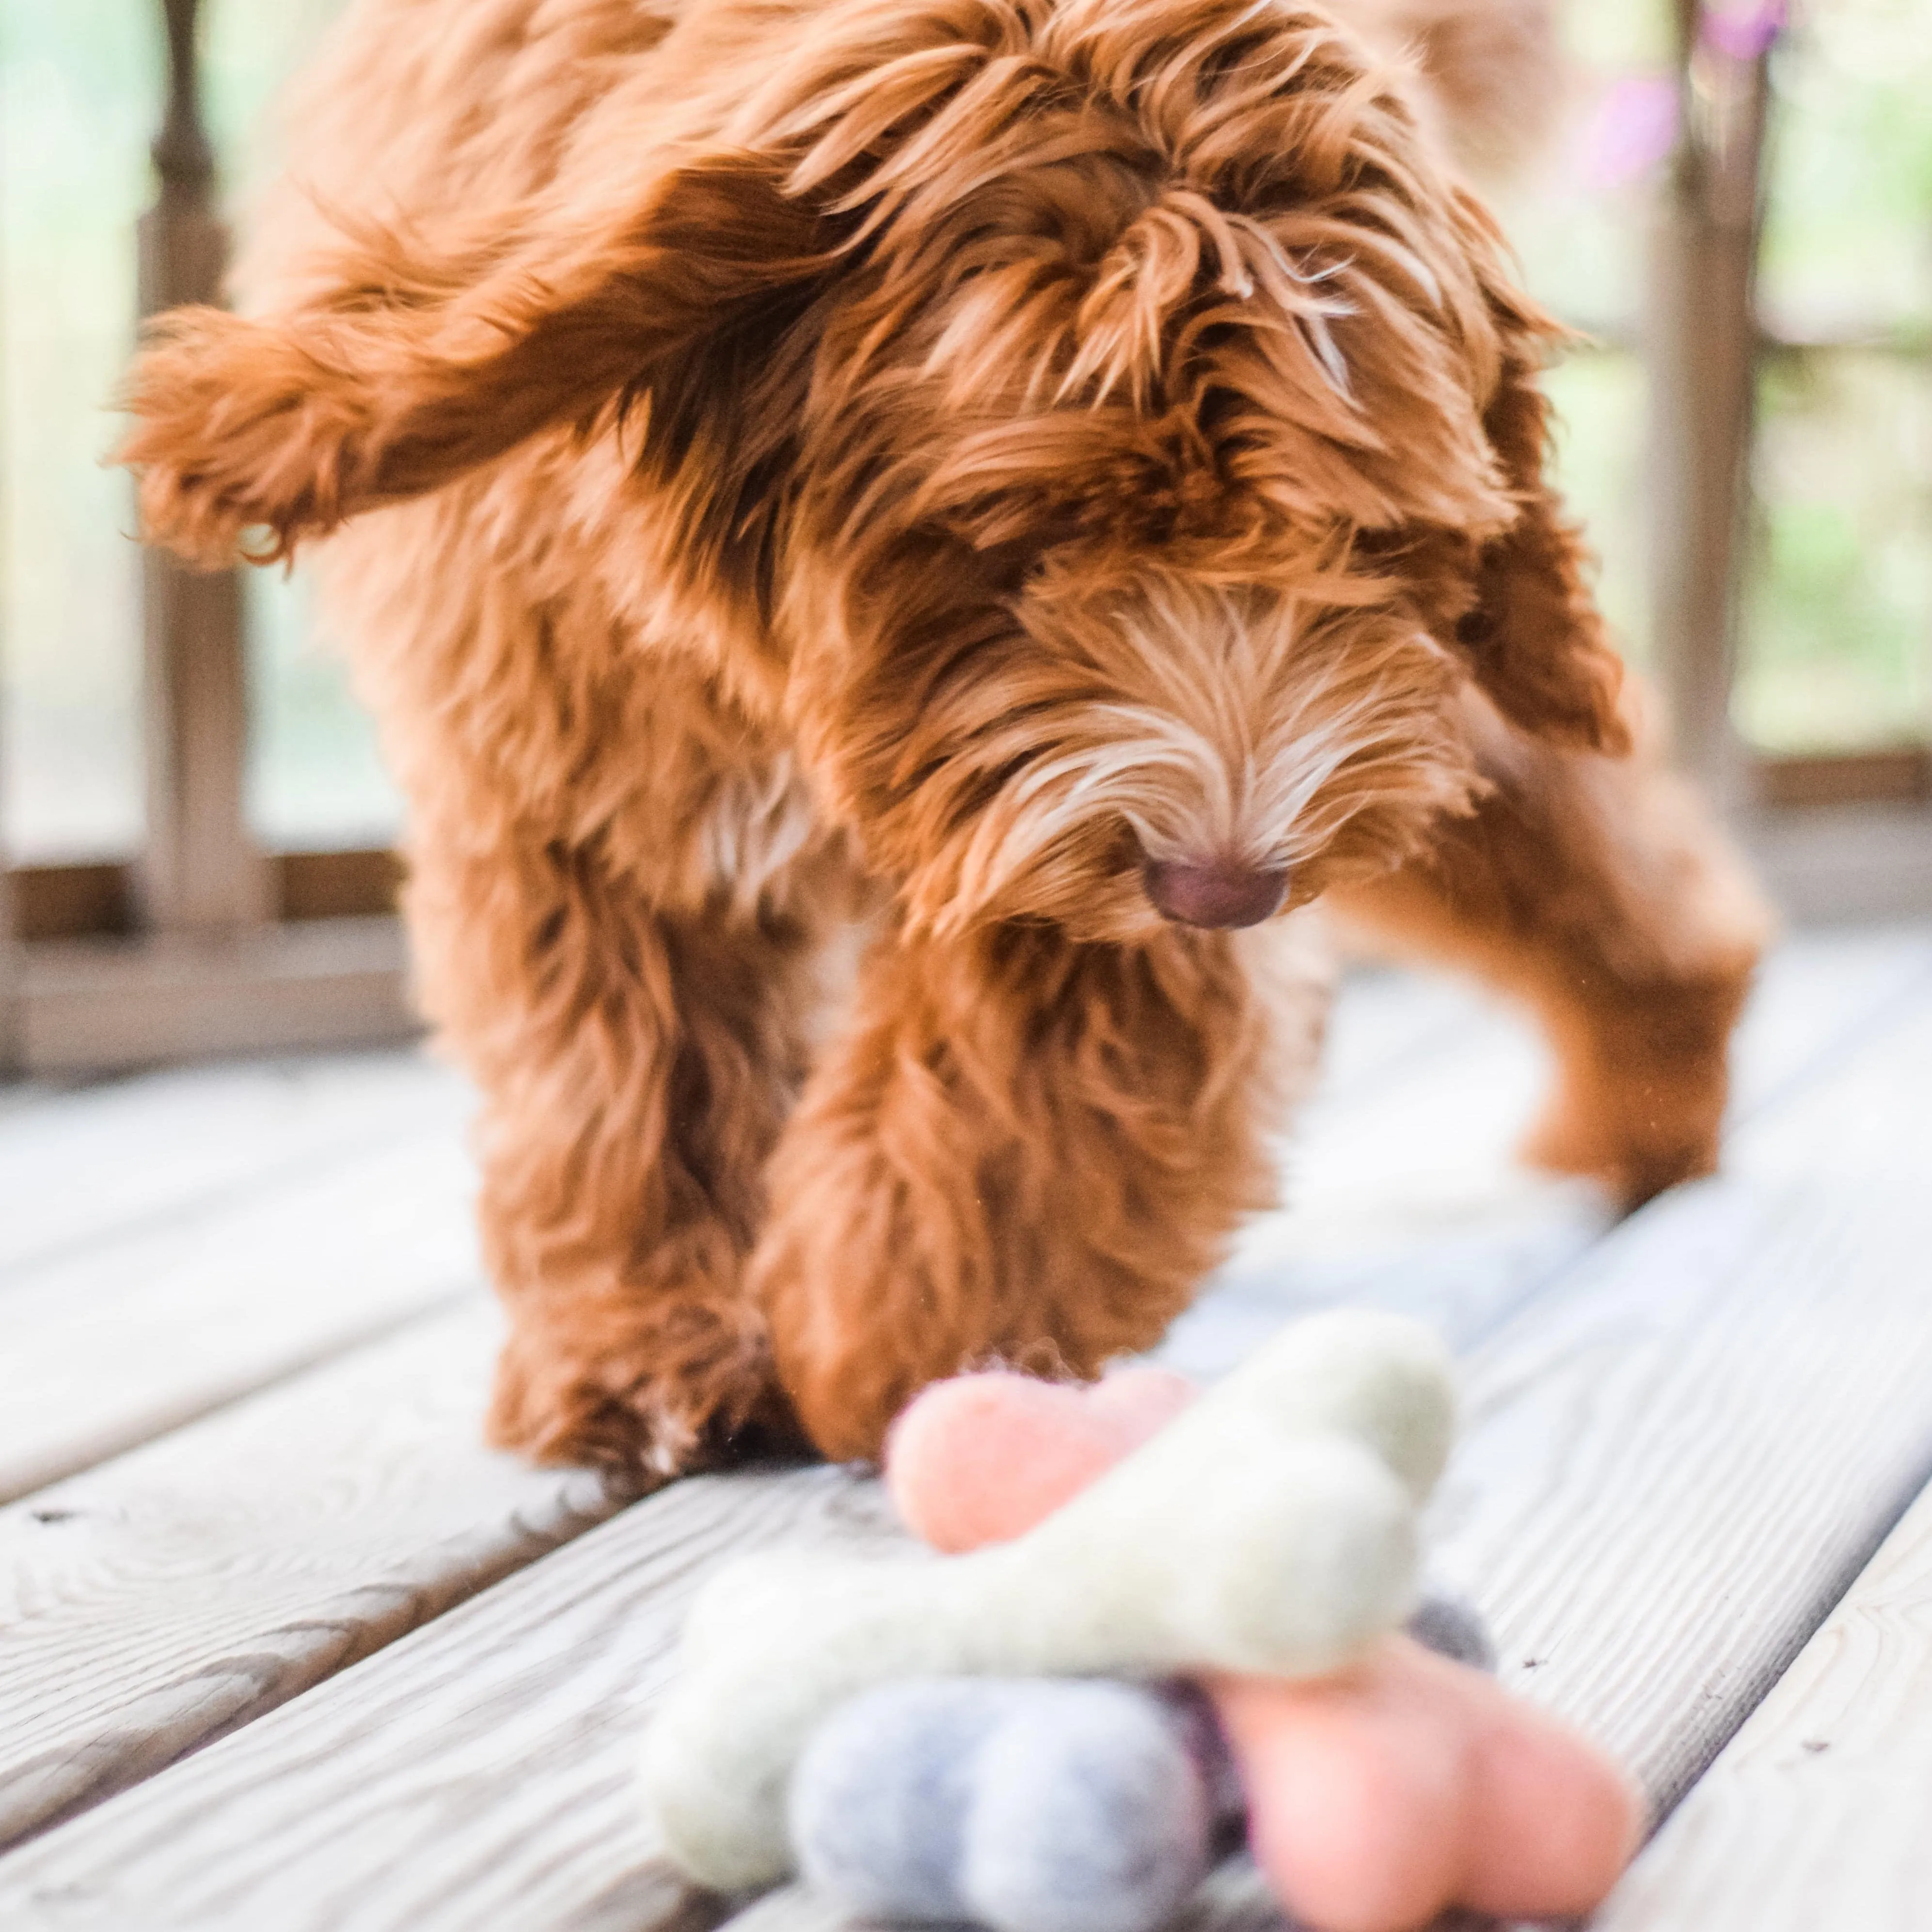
(1703,357)
(200,872)
(9,982)
(10,1056)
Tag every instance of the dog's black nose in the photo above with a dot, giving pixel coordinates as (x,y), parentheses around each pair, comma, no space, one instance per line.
(1220,893)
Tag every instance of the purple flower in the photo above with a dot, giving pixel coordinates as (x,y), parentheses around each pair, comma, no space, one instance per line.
(1633,128)
(1745,28)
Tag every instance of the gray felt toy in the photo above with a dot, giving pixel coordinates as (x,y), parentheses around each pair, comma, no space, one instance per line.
(1025,1804)
(1453,1628)
(1031,1804)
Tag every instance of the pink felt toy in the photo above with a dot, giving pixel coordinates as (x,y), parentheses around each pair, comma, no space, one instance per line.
(981,1458)
(1377,1798)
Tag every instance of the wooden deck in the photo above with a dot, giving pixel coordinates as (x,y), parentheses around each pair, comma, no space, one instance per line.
(282,1650)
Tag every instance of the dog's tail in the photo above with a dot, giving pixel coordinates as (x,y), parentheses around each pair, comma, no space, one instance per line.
(1492,74)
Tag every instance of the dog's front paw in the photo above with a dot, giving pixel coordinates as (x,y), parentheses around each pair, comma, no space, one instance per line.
(238,428)
(644,1411)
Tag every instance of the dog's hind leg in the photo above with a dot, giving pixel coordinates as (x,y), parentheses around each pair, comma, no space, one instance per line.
(1601,892)
(1021,1149)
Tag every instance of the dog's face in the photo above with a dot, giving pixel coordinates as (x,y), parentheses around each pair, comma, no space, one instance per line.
(1141,740)
(1160,444)
(1127,433)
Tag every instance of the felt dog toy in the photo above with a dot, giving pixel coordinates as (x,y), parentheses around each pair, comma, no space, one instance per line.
(1270,1527)
(1032,1804)
(1025,1804)
(1377,1796)
(1406,1784)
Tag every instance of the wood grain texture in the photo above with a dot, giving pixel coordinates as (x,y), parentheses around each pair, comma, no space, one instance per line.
(79,1166)
(1673,1466)
(1402,1195)
(1818,995)
(478,1771)
(1672,1470)
(1629,1601)
(168,1605)
(1234,1898)
(1815,1814)
(1402,1192)
(126,1337)
(179,1592)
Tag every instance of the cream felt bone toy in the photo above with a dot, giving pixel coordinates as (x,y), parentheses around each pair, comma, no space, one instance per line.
(1374,1797)
(1269,1528)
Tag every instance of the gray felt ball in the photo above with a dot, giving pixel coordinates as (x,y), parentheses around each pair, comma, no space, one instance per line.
(1023,1804)
(1089,1814)
(1453,1628)
(879,1795)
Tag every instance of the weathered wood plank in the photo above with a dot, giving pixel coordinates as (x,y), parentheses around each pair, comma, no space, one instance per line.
(480,1768)
(1818,994)
(1815,1813)
(181,1591)
(68,1740)
(619,1884)
(79,1166)
(1406,1197)
(100,1006)
(525,1817)
(1384,1021)
(1672,1471)
(1234,1897)
(130,1336)
(258,1627)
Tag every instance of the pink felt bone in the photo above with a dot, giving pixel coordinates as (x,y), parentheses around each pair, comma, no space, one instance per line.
(981,1458)
(1377,1798)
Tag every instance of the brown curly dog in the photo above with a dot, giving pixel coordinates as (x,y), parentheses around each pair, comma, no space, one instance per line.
(1025,487)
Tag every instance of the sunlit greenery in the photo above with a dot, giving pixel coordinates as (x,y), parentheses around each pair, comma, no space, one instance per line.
(1841,604)
(1838,635)
(1837,643)
(79,94)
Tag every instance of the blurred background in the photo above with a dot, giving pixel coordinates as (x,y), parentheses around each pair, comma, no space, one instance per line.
(83,83)
(1769,557)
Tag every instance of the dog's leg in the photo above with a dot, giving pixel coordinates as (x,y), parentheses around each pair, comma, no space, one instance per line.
(1021,1149)
(637,1063)
(1600,892)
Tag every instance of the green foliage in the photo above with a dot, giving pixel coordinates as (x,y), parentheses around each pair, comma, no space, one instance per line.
(1841,606)
(1836,646)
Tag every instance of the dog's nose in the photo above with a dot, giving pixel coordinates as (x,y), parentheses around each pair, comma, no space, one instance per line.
(1220,893)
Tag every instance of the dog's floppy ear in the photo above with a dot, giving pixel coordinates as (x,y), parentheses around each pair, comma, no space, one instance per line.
(1537,642)
(414,371)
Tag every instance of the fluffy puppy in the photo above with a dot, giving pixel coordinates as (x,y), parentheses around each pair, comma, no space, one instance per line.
(1054,482)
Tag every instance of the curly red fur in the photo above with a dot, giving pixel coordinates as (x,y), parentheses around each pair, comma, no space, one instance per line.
(922,470)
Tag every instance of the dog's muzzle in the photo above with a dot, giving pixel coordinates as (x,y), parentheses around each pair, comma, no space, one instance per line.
(1218,894)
